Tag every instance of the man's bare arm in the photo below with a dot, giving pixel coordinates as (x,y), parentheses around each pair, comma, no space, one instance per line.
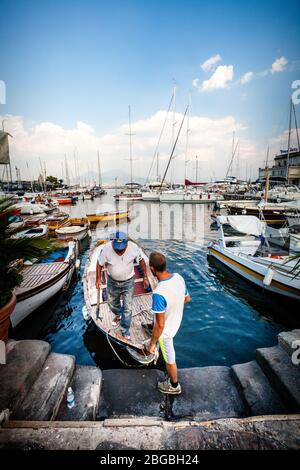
(157,330)
(98,275)
(145,275)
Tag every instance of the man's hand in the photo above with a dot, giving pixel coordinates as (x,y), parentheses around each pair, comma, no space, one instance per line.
(151,348)
(146,283)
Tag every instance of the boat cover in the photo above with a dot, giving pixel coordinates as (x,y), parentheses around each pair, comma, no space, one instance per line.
(248,224)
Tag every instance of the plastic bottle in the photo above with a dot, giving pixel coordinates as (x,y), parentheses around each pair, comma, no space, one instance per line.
(70,398)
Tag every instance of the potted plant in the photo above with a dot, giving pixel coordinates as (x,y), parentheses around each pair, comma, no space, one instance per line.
(11,250)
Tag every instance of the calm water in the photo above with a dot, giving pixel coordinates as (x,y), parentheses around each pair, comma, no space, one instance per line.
(226,320)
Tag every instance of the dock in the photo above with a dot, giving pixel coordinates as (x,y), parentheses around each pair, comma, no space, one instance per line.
(247,406)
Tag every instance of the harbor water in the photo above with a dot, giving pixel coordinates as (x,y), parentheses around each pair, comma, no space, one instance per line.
(226,320)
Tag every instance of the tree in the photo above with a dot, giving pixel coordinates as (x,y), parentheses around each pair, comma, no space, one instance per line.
(53,180)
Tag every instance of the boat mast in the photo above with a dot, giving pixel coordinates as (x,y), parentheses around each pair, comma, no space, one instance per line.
(130,146)
(99,170)
(296,125)
(289,143)
(267,176)
(187,140)
(173,133)
(157,167)
(197,168)
(174,146)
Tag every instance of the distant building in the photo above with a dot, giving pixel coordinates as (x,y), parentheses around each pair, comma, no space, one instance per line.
(278,172)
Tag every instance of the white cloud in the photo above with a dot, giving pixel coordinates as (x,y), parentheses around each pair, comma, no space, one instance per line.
(247,78)
(279,65)
(222,76)
(195,82)
(211,139)
(209,63)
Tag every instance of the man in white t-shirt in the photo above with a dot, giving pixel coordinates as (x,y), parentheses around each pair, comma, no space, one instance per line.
(119,256)
(168,302)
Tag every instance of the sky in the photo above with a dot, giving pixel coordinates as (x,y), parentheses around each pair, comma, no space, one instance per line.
(71,68)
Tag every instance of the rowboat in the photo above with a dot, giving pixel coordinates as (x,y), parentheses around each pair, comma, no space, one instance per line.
(41,281)
(65,200)
(103,317)
(245,254)
(76,228)
(107,216)
(40,231)
(56,220)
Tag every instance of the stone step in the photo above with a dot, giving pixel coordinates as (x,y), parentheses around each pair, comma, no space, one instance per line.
(289,341)
(25,360)
(256,390)
(86,385)
(207,393)
(283,375)
(45,396)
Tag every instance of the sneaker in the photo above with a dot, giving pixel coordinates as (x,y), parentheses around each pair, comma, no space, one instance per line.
(166,387)
(125,334)
(116,321)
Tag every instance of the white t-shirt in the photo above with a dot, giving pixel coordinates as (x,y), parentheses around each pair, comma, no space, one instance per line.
(120,267)
(168,298)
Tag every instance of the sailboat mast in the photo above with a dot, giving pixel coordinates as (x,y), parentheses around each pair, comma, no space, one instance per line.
(130,147)
(173,134)
(187,140)
(296,125)
(289,143)
(99,170)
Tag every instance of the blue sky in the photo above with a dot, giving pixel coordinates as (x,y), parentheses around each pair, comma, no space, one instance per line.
(74,60)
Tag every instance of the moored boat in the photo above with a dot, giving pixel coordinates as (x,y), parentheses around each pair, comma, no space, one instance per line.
(107,216)
(75,228)
(41,281)
(103,317)
(40,231)
(56,220)
(244,254)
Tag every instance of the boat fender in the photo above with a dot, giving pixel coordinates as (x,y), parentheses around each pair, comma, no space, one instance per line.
(77,264)
(268,277)
(85,313)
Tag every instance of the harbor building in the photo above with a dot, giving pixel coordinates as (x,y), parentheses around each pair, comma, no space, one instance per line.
(286,168)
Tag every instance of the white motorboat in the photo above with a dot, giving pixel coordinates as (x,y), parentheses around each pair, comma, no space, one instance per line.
(243,254)
(41,281)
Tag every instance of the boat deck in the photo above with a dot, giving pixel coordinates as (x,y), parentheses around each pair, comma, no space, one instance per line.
(38,274)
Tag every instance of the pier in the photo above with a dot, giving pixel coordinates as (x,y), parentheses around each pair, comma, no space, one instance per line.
(248,406)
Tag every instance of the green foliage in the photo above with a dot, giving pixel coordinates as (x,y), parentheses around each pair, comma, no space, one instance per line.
(53,180)
(13,249)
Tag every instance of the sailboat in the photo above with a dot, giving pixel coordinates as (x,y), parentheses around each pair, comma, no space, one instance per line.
(132,191)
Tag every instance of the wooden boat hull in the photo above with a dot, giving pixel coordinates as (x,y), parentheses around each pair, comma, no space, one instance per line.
(255,272)
(141,312)
(75,228)
(36,294)
(95,218)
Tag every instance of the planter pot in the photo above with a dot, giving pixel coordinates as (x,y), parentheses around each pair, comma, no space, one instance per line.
(5,313)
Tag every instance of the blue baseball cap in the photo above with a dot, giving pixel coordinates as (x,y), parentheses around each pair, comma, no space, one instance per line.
(120,240)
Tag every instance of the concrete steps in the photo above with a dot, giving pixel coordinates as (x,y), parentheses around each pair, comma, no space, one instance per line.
(25,360)
(283,375)
(255,389)
(207,393)
(45,396)
(34,382)
(86,384)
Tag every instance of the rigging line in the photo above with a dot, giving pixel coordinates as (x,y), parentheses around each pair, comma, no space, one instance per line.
(295,117)
(233,155)
(160,136)
(174,146)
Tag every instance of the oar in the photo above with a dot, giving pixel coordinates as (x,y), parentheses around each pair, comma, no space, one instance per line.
(98,305)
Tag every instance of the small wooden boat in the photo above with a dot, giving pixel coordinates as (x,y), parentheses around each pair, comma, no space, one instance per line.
(40,231)
(31,220)
(107,216)
(56,220)
(75,228)
(141,312)
(244,254)
(41,281)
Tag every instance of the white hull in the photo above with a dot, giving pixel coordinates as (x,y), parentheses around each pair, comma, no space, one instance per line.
(27,306)
(282,283)
(76,235)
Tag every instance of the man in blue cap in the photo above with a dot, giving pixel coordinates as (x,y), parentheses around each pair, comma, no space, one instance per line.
(119,256)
